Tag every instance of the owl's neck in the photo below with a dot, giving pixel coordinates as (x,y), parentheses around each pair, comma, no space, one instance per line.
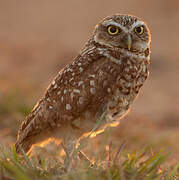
(116,53)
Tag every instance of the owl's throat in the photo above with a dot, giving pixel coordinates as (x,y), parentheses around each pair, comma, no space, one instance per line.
(117,51)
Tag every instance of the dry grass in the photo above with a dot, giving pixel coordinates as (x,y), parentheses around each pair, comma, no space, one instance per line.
(114,164)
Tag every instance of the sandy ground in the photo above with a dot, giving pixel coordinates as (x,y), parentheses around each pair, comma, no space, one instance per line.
(37,38)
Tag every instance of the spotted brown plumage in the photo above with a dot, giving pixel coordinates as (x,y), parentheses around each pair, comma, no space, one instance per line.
(106,76)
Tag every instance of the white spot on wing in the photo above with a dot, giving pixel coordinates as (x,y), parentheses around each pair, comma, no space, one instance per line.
(55,87)
(71,80)
(80,83)
(92,90)
(92,75)
(69,69)
(76,91)
(81,100)
(128,84)
(81,69)
(50,107)
(109,90)
(62,99)
(53,82)
(83,86)
(72,95)
(68,107)
(92,83)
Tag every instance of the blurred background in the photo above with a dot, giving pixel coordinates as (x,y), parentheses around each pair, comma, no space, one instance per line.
(37,38)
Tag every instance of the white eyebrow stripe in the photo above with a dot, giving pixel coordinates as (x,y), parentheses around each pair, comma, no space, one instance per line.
(138,23)
(111,22)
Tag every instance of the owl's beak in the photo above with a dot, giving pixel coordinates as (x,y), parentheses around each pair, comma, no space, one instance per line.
(129,42)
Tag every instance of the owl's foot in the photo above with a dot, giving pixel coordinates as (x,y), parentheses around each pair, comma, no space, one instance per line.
(72,154)
(69,149)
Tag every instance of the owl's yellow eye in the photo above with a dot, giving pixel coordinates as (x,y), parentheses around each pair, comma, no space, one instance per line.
(139,30)
(113,30)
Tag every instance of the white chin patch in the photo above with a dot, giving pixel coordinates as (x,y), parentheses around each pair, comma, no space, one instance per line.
(141,46)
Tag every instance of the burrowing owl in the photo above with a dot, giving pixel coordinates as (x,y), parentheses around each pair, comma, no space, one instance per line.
(106,76)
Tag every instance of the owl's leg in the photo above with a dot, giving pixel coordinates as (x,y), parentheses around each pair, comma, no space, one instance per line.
(69,147)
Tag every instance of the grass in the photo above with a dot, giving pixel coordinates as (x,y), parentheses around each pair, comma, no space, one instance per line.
(116,164)
(110,163)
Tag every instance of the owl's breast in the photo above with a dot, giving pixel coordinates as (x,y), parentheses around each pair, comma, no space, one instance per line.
(132,75)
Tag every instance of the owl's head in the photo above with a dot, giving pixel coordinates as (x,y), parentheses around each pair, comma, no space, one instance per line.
(123,31)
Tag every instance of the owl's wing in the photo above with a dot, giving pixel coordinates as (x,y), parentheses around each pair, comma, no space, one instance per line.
(79,86)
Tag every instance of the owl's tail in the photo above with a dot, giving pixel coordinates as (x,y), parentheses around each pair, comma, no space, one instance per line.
(23,145)
(29,129)
(26,135)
